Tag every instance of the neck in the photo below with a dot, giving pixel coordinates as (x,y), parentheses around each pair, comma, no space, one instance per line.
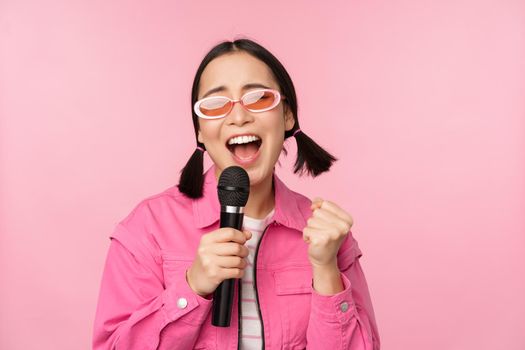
(261,200)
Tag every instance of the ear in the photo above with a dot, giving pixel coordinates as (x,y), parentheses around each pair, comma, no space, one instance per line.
(199,137)
(289,120)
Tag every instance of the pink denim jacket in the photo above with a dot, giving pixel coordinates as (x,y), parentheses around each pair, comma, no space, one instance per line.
(145,301)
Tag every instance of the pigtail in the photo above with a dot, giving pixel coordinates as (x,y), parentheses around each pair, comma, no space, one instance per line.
(191,177)
(311,157)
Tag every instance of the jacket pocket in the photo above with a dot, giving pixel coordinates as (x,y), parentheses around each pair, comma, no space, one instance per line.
(294,280)
(293,287)
(173,264)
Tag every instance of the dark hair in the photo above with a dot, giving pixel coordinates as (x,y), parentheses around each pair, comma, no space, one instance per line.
(311,158)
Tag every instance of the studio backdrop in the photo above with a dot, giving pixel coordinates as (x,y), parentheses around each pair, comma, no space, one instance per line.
(422,102)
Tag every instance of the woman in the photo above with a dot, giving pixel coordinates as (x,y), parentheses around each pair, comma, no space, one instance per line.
(300,284)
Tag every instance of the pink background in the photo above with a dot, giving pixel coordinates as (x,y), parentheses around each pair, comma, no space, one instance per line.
(422,101)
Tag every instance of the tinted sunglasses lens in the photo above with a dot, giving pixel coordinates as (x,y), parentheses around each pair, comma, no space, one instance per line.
(259,100)
(215,107)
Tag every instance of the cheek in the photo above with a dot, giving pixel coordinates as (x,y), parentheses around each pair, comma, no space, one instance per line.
(209,131)
(274,122)
(278,128)
(275,138)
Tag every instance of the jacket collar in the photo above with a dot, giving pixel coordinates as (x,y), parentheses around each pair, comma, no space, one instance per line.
(206,210)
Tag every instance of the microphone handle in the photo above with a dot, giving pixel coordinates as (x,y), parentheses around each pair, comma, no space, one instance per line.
(223,296)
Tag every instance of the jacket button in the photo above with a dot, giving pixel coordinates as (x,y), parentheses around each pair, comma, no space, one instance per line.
(344,306)
(182,303)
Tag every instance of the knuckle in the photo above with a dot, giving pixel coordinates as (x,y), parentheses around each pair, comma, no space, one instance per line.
(238,249)
(341,225)
(241,236)
(201,250)
(206,263)
(230,234)
(242,252)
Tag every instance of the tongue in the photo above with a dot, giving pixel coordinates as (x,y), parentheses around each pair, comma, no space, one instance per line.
(246,150)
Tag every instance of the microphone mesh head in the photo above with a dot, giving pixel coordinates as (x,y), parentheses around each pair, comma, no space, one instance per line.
(234,187)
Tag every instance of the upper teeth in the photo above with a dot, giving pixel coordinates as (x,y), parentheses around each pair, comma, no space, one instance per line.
(242,139)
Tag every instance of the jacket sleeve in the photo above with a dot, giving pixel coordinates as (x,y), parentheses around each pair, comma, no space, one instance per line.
(135,310)
(344,320)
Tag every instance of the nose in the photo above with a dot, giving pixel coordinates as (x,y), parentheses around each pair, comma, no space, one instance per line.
(238,115)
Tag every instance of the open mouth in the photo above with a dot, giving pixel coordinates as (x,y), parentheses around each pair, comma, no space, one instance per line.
(244,147)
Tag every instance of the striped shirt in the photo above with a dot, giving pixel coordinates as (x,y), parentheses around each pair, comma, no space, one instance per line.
(251,334)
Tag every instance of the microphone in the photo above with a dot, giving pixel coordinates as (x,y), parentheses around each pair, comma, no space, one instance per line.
(233,190)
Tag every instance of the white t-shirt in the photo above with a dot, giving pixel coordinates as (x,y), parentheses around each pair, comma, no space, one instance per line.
(251,334)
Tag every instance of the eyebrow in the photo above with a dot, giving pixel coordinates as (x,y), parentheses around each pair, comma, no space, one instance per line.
(245,87)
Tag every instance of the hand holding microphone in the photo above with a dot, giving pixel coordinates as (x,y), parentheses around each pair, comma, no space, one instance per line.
(221,255)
